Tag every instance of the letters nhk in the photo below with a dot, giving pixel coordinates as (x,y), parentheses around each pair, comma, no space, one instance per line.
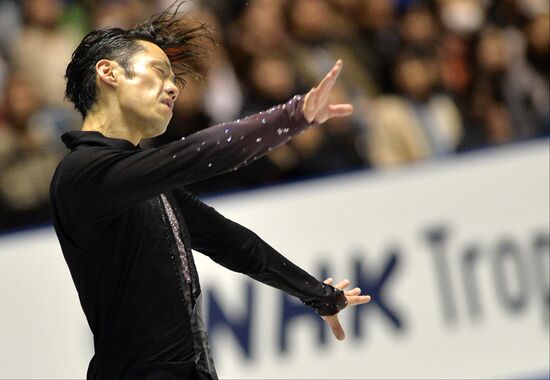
(517,267)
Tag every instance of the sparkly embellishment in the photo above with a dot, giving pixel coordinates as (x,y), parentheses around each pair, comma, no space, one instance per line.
(183,138)
(218,142)
(210,165)
(203,143)
(258,139)
(238,121)
(174,156)
(284,106)
(263,121)
(279,131)
(226,130)
(229,139)
(199,149)
(179,243)
(242,138)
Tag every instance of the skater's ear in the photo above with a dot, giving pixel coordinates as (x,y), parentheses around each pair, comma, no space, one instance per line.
(107,72)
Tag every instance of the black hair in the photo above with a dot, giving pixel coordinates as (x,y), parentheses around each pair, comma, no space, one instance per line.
(181,38)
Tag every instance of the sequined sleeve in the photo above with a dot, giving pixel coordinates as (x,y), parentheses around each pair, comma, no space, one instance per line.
(229,146)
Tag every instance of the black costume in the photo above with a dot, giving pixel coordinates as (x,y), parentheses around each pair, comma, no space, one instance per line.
(127,226)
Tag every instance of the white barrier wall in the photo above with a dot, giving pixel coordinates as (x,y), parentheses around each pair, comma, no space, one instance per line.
(455,255)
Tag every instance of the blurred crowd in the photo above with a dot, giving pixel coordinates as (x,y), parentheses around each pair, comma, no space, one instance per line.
(426,78)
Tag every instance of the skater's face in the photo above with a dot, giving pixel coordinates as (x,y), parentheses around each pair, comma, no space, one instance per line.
(146,96)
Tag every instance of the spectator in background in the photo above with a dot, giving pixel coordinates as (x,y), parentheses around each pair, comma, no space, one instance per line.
(510,98)
(223,98)
(529,95)
(417,124)
(120,14)
(419,27)
(321,38)
(28,156)
(488,101)
(330,31)
(43,49)
(258,30)
(379,41)
(460,22)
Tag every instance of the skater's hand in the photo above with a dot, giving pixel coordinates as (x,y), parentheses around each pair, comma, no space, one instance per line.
(353,296)
(316,108)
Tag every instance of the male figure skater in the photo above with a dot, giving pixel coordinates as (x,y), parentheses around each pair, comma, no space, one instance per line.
(127,225)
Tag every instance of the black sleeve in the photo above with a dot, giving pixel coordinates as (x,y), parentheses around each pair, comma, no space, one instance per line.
(241,250)
(110,181)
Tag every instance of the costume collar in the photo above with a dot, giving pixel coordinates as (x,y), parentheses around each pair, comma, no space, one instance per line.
(76,138)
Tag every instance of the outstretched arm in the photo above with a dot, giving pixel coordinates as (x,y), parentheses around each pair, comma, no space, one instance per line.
(241,250)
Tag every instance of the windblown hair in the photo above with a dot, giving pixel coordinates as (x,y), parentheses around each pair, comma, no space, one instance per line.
(184,40)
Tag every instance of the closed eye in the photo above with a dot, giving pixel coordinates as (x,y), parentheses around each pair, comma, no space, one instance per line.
(165,75)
